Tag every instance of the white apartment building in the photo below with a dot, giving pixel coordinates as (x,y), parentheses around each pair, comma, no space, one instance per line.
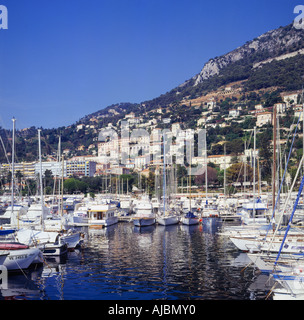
(221,160)
(263,118)
(259,107)
(27,169)
(211,105)
(175,127)
(234,113)
(54,166)
(142,162)
(281,107)
(81,168)
(201,121)
(298,112)
(291,97)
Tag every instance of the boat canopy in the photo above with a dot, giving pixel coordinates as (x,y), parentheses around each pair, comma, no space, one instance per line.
(6,232)
(190,215)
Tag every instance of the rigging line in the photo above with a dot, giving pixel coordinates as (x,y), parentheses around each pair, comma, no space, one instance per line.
(287,200)
(249,140)
(290,220)
(289,134)
(5,151)
(57,169)
(9,142)
(21,270)
(271,290)
(286,165)
(242,164)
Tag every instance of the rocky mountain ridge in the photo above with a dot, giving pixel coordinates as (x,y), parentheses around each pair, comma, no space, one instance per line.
(244,63)
(272,43)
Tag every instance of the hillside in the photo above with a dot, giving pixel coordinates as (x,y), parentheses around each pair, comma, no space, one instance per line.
(249,63)
(269,45)
(254,73)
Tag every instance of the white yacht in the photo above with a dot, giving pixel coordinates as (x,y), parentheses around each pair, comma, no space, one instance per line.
(144,215)
(103,214)
(51,243)
(80,216)
(12,215)
(254,213)
(210,211)
(33,215)
(188,204)
(16,256)
(156,204)
(126,204)
(168,218)
(190,219)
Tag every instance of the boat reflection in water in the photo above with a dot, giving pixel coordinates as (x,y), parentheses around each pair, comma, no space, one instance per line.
(156,262)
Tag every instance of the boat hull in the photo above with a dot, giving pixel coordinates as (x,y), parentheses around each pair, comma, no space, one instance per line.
(169,220)
(21,259)
(3,256)
(71,240)
(250,221)
(103,223)
(254,244)
(210,214)
(249,244)
(189,221)
(54,249)
(293,283)
(143,222)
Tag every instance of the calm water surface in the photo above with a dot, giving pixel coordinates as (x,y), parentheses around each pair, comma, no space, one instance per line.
(123,262)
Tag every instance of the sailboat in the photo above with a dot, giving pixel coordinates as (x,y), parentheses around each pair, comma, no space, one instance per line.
(254,212)
(282,256)
(15,255)
(12,214)
(49,242)
(58,222)
(190,218)
(290,276)
(68,236)
(144,215)
(208,210)
(166,217)
(257,240)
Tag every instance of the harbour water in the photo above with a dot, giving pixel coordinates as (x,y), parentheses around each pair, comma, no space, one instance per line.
(123,262)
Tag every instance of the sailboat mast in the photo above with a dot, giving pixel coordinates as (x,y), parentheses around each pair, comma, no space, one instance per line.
(259,180)
(62,179)
(41,186)
(58,161)
(225,174)
(245,167)
(206,172)
(13,167)
(303,124)
(190,172)
(254,159)
(274,156)
(164,175)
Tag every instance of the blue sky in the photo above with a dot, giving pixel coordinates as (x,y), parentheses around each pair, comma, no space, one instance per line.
(63,59)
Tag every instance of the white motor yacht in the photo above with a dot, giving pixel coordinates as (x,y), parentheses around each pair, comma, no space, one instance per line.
(103,214)
(144,215)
